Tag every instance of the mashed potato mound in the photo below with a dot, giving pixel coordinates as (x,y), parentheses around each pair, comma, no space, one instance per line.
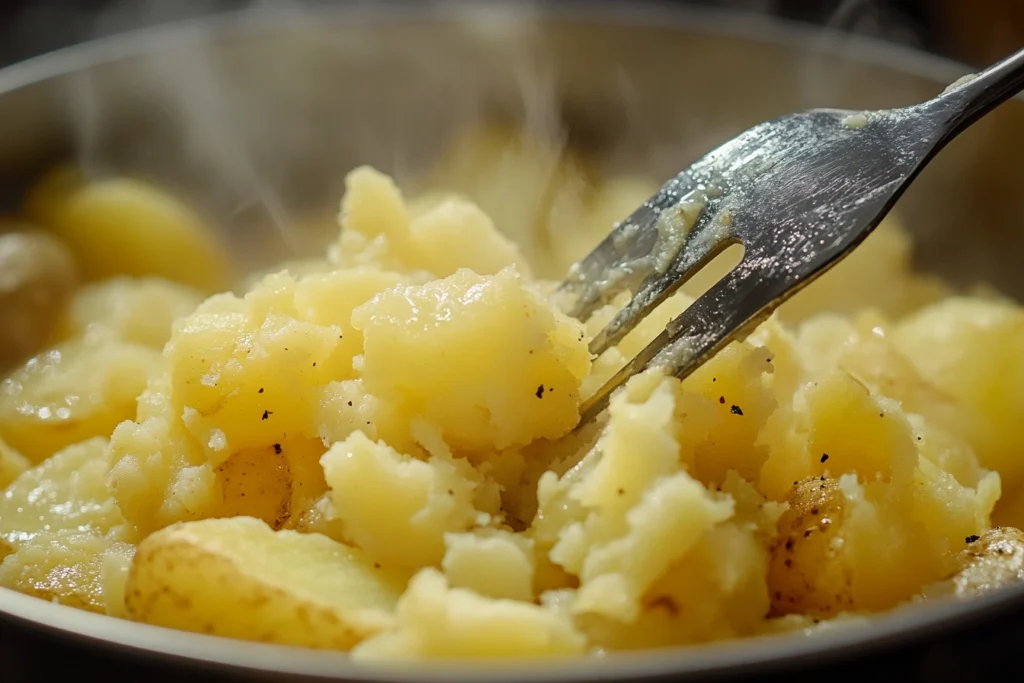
(376,452)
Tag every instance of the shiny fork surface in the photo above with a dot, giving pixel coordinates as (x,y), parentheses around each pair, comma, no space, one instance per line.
(798,193)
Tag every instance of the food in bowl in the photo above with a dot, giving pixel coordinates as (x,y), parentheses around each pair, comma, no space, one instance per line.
(374,451)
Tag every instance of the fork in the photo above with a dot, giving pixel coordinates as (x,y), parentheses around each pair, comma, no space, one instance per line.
(799,193)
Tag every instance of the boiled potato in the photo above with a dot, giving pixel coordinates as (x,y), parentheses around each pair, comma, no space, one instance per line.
(137,310)
(238,578)
(67,491)
(394,506)
(452,234)
(376,450)
(498,380)
(121,226)
(69,566)
(436,621)
(74,391)
(38,278)
(991,561)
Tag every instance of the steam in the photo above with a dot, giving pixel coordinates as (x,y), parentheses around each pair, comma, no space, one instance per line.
(258,130)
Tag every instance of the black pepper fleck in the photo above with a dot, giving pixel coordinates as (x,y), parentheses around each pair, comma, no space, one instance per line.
(261,390)
(721,399)
(807,533)
(277,448)
(350,404)
(540,391)
(824,457)
(266,414)
(971,539)
(735,410)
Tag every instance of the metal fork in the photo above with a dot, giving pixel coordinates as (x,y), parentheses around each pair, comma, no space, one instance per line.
(799,193)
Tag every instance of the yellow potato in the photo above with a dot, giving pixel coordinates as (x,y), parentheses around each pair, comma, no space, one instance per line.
(272,483)
(12,464)
(77,390)
(238,578)
(972,350)
(394,506)
(506,366)
(248,373)
(67,491)
(991,561)
(120,226)
(137,310)
(493,563)
(68,566)
(804,575)
(435,621)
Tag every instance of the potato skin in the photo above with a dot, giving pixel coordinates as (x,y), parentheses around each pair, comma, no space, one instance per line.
(239,579)
(805,574)
(991,560)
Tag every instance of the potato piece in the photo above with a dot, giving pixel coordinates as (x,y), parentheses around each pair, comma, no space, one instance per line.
(77,390)
(120,226)
(435,621)
(505,367)
(972,350)
(137,310)
(238,578)
(642,514)
(491,562)
(393,506)
(67,491)
(248,373)
(456,234)
(273,483)
(12,464)
(37,278)
(68,566)
(158,473)
(806,573)
(991,561)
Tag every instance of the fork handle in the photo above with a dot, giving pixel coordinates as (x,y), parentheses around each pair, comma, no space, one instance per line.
(971,99)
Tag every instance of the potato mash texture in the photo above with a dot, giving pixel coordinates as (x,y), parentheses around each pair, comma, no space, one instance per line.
(375,452)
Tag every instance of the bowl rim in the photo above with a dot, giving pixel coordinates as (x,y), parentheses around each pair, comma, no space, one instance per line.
(751,655)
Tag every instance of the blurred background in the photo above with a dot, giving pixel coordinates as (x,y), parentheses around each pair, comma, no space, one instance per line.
(972,31)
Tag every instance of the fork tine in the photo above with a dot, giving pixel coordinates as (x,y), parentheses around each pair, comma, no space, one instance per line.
(623,252)
(658,287)
(734,306)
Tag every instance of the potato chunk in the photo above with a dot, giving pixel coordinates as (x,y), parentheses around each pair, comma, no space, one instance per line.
(137,310)
(67,491)
(991,561)
(435,621)
(972,350)
(72,567)
(491,562)
(393,506)
(238,578)
(505,367)
(121,226)
(248,373)
(73,392)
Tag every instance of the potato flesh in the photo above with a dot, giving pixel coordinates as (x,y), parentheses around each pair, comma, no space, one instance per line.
(403,403)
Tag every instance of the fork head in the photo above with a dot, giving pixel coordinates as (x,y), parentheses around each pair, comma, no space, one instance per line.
(797,193)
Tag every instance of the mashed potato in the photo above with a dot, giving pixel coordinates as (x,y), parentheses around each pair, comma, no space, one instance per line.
(375,452)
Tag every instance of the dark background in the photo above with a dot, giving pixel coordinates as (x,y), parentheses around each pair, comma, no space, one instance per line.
(974,31)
